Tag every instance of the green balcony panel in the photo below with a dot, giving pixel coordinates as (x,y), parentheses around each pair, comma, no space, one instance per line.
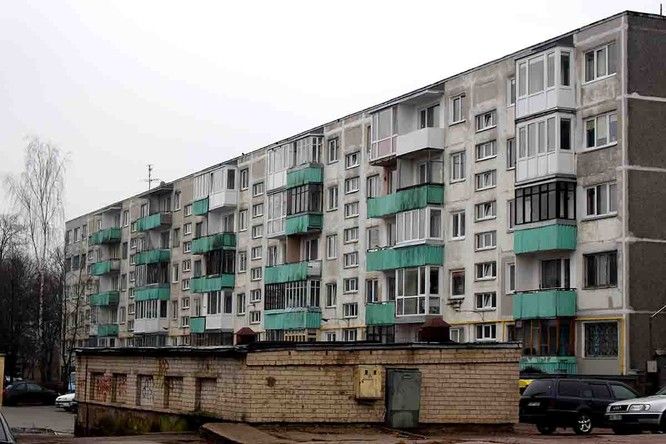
(310,174)
(107,330)
(153,221)
(200,207)
(405,257)
(205,284)
(105,236)
(546,238)
(303,223)
(104,267)
(408,199)
(161,292)
(544,304)
(292,319)
(104,299)
(297,271)
(213,242)
(382,313)
(152,257)
(550,364)
(198,324)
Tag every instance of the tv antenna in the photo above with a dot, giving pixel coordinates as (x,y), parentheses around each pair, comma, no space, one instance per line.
(150,179)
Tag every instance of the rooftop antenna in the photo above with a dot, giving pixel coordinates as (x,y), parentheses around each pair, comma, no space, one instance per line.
(150,179)
(660,8)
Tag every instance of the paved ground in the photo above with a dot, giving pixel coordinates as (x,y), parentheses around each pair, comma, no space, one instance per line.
(39,417)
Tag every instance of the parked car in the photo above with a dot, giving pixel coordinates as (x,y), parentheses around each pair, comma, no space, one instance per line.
(28,393)
(6,436)
(65,402)
(636,415)
(568,402)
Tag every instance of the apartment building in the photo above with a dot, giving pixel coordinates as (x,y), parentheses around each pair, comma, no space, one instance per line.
(519,200)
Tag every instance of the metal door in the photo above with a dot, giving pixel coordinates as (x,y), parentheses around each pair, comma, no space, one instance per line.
(403,398)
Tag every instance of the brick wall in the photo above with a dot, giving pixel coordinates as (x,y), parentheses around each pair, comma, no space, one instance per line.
(301,383)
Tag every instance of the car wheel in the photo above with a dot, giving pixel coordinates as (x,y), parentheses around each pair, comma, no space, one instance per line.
(545,428)
(583,424)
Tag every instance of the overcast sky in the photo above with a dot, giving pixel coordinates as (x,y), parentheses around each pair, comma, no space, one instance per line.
(187,84)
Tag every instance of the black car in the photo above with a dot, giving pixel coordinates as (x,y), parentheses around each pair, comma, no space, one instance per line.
(28,393)
(567,402)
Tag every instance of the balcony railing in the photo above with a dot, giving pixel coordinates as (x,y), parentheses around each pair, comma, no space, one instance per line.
(404,257)
(105,267)
(541,304)
(107,330)
(298,271)
(206,284)
(152,256)
(212,242)
(419,196)
(104,299)
(421,139)
(551,237)
(198,324)
(303,223)
(105,236)
(200,207)
(153,221)
(161,292)
(565,365)
(380,313)
(383,150)
(292,319)
(303,176)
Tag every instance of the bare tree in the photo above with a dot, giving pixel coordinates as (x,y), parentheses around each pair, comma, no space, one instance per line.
(10,233)
(38,194)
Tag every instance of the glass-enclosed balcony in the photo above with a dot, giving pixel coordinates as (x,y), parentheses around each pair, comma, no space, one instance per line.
(212,242)
(544,304)
(161,292)
(303,223)
(298,271)
(215,189)
(157,220)
(404,257)
(105,267)
(105,298)
(206,284)
(292,319)
(380,313)
(552,237)
(107,330)
(418,196)
(152,256)
(105,236)
(305,175)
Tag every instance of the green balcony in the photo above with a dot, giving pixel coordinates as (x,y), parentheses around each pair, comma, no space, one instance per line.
(544,304)
(198,324)
(106,236)
(107,330)
(200,207)
(408,199)
(303,223)
(217,241)
(382,313)
(297,271)
(292,319)
(546,238)
(550,364)
(105,299)
(160,292)
(206,284)
(104,267)
(404,257)
(152,257)
(153,221)
(303,176)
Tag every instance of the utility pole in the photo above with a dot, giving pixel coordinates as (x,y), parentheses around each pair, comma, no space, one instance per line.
(150,179)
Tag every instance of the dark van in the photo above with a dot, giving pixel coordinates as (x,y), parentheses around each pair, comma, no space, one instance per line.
(567,402)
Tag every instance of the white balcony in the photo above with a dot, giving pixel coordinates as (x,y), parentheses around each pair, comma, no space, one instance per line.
(153,325)
(547,164)
(556,97)
(222,199)
(220,321)
(276,180)
(422,139)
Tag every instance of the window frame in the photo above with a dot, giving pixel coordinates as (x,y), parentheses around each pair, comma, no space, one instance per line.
(480,119)
(609,200)
(608,117)
(460,168)
(452,106)
(595,51)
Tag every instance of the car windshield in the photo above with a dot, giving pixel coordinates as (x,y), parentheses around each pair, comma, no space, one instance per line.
(539,388)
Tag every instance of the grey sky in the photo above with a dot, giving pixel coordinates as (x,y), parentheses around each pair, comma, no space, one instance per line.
(184,85)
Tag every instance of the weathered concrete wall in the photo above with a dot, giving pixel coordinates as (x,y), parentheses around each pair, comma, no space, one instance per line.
(296,384)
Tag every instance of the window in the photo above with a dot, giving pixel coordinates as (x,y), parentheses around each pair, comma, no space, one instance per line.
(372,237)
(371,290)
(372,186)
(420,224)
(458,225)
(510,214)
(350,310)
(458,166)
(272,255)
(600,62)
(174,273)
(351,185)
(485,180)
(256,252)
(510,278)
(187,247)
(257,231)
(535,75)
(188,210)
(601,131)
(510,154)
(349,334)
(242,261)
(429,117)
(486,332)
(242,220)
(621,392)
(330,336)
(185,284)
(457,109)
(332,198)
(187,228)
(486,240)
(601,339)
(125,218)
(332,246)
(350,259)
(187,265)
(457,283)
(257,189)
(601,270)
(485,301)
(555,273)
(240,297)
(255,274)
(176,200)
(185,303)
(554,200)
(351,235)
(333,145)
(485,211)
(352,159)
(486,120)
(331,294)
(486,271)
(601,199)
(511,91)
(255,295)
(255,317)
(457,334)
(244,179)
(486,150)
(417,290)
(350,285)
(351,209)
(257,210)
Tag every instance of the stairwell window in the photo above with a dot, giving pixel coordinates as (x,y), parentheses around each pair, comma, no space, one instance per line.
(486,121)
(600,62)
(601,131)
(601,200)
(485,180)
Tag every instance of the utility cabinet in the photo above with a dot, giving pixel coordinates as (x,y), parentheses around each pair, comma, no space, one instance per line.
(368,382)
(403,398)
